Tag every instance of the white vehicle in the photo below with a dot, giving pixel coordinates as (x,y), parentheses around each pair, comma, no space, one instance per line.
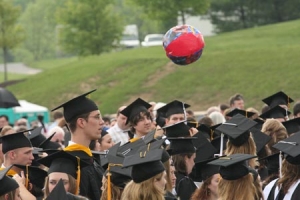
(130,37)
(153,40)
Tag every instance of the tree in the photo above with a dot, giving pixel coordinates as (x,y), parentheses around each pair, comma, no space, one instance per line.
(40,28)
(11,34)
(89,26)
(166,9)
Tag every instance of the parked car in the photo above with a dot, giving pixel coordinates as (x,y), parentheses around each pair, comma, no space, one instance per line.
(153,40)
(130,41)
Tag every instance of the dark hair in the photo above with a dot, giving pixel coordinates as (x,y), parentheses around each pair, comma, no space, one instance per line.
(57,115)
(36,191)
(223,107)
(179,162)
(296,109)
(203,192)
(190,112)
(135,119)
(92,145)
(73,122)
(206,121)
(5,116)
(106,119)
(234,98)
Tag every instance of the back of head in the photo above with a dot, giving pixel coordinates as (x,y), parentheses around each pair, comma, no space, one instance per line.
(57,115)
(276,130)
(296,109)
(216,117)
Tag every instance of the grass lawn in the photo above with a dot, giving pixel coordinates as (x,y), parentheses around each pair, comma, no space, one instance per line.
(256,62)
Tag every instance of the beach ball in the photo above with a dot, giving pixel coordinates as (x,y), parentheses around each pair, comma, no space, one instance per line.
(183,44)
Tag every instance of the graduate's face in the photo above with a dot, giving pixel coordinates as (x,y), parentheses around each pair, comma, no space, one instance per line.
(173,119)
(190,163)
(173,176)
(213,186)
(106,142)
(55,177)
(94,125)
(238,104)
(143,126)
(22,156)
(160,182)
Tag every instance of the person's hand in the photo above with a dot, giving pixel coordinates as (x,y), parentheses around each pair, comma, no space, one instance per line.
(193,131)
(159,132)
(20,179)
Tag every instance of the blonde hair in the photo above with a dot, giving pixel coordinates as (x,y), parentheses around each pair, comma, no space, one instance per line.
(203,192)
(11,195)
(277,131)
(248,147)
(254,111)
(168,177)
(290,174)
(5,129)
(229,190)
(116,192)
(143,191)
(72,185)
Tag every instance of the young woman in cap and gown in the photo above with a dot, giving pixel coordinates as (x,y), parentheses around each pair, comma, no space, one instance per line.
(238,178)
(182,150)
(287,187)
(62,165)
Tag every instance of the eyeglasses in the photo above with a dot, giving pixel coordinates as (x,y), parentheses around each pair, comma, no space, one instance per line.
(97,117)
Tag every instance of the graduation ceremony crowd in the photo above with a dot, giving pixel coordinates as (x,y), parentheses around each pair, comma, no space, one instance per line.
(156,151)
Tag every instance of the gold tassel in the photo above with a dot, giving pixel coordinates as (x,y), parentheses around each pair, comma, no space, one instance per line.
(108,183)
(27,177)
(78,176)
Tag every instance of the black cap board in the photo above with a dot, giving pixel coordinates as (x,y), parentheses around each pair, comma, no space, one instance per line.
(279,98)
(174,107)
(291,147)
(58,192)
(181,145)
(260,138)
(237,129)
(36,175)
(245,113)
(145,164)
(292,126)
(7,184)
(204,149)
(77,106)
(139,105)
(272,163)
(234,166)
(36,137)
(48,144)
(179,129)
(15,141)
(157,144)
(275,112)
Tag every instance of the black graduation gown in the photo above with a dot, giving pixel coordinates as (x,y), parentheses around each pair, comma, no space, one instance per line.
(91,176)
(185,186)
(294,193)
(170,196)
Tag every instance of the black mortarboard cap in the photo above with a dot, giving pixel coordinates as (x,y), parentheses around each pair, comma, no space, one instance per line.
(292,126)
(15,141)
(112,151)
(237,129)
(174,107)
(47,144)
(279,98)
(179,129)
(36,137)
(272,163)
(216,142)
(139,105)
(181,145)
(245,113)
(131,148)
(64,162)
(259,122)
(77,106)
(260,139)
(291,147)
(157,144)
(205,130)
(204,149)
(214,132)
(58,192)
(7,184)
(119,175)
(149,137)
(192,123)
(275,112)
(145,164)
(206,170)
(36,175)
(233,166)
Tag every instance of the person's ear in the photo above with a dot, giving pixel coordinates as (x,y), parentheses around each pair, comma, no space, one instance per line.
(30,187)
(6,197)
(81,122)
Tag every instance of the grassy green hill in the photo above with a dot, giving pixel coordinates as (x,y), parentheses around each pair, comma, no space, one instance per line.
(255,62)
